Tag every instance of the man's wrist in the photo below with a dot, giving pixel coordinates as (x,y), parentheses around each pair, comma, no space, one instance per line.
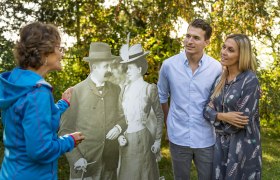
(157,141)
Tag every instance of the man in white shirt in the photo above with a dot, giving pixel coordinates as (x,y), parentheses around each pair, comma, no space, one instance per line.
(187,79)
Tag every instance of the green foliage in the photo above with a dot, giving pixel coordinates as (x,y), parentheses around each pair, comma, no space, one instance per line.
(6,55)
(74,71)
(270,101)
(150,23)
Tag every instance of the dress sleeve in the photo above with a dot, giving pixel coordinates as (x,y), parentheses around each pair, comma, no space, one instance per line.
(210,112)
(121,118)
(249,100)
(249,105)
(156,106)
(42,143)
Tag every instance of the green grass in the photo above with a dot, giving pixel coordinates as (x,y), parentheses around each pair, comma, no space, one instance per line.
(271,158)
(270,149)
(271,155)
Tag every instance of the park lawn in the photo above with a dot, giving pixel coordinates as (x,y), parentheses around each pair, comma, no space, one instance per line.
(270,170)
(270,149)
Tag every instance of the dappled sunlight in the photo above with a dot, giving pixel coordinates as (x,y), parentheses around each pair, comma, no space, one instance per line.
(165,152)
(267,157)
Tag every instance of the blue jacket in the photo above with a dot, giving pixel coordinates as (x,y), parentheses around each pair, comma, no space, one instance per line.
(30,120)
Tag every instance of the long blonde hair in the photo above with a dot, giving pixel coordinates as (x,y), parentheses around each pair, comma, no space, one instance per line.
(246,60)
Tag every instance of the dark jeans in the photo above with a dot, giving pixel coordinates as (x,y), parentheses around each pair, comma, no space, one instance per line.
(182,157)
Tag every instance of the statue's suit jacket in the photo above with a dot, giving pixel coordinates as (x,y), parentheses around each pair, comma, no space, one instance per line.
(94,114)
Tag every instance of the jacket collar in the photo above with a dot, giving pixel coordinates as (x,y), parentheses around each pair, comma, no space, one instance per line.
(93,88)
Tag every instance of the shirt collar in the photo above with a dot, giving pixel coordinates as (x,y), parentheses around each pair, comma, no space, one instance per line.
(186,61)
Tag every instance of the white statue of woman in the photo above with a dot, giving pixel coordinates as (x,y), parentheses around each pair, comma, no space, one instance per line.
(143,134)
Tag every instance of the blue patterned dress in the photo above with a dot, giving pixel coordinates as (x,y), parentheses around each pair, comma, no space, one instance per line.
(237,153)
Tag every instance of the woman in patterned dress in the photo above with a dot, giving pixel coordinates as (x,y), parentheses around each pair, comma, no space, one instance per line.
(233,110)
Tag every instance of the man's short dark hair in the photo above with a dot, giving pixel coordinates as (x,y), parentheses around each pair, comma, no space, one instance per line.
(200,23)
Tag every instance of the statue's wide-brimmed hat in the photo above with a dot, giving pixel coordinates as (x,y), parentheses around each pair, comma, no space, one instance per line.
(99,51)
(133,54)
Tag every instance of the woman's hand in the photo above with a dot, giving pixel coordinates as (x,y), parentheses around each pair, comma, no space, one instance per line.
(78,137)
(234,118)
(67,94)
(156,146)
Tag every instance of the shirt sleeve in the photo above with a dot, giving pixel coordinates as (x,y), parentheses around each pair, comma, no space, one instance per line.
(42,143)
(163,85)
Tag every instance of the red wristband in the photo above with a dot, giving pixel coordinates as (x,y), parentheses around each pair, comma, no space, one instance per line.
(75,143)
(66,101)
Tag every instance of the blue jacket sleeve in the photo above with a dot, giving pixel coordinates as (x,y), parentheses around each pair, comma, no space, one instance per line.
(62,105)
(40,121)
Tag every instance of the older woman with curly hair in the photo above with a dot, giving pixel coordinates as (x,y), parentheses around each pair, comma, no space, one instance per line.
(29,115)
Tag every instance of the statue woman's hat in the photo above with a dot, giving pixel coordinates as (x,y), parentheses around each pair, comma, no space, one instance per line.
(134,53)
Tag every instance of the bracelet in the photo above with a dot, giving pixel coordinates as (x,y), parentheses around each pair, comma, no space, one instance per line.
(66,101)
(75,143)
